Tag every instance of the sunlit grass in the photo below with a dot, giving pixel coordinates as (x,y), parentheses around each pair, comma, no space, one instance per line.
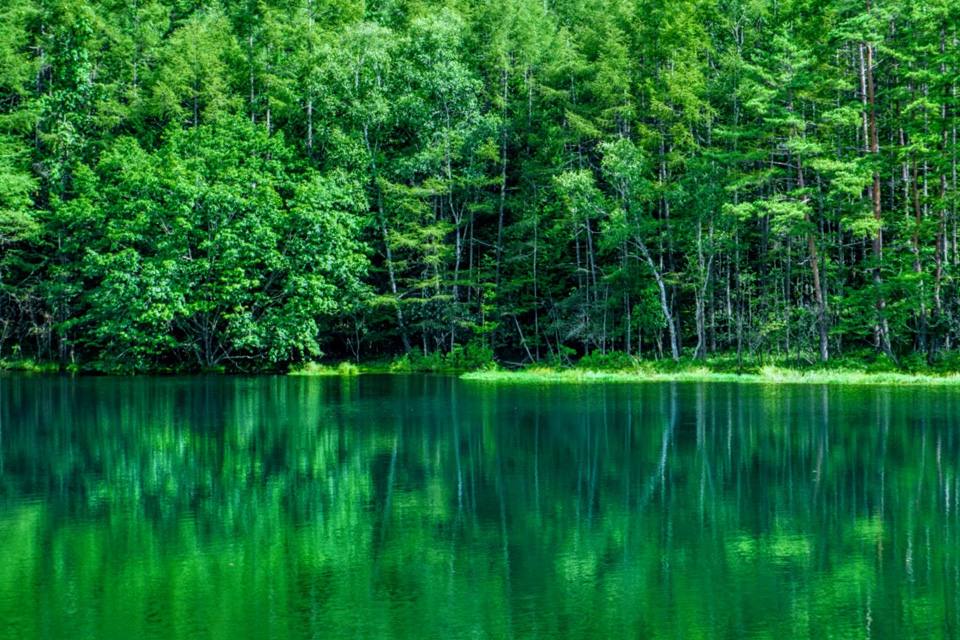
(764,375)
(28,365)
(319,370)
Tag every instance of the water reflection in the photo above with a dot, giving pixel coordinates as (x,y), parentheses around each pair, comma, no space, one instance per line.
(425,507)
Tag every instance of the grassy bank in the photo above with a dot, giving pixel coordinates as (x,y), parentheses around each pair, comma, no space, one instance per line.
(347,369)
(27,365)
(764,375)
(865,369)
(862,368)
(626,369)
(314,369)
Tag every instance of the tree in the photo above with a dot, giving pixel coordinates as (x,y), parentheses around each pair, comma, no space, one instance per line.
(215,254)
(192,82)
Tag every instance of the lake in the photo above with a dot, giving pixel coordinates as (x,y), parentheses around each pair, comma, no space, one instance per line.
(430,507)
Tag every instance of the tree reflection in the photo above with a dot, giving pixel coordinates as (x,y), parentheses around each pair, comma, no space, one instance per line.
(427,507)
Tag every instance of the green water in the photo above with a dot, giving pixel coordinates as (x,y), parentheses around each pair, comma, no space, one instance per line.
(428,507)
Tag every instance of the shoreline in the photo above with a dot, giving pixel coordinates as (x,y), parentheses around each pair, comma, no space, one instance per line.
(771,375)
(574,375)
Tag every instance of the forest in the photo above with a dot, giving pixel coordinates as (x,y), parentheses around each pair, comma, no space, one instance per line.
(252,185)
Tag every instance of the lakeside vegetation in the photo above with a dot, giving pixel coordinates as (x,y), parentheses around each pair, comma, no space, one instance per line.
(246,187)
(765,375)
(620,367)
(866,368)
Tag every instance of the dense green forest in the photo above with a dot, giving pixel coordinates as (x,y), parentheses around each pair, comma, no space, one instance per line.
(251,184)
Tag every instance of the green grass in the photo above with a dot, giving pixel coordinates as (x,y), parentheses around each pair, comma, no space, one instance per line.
(763,375)
(345,369)
(856,369)
(28,365)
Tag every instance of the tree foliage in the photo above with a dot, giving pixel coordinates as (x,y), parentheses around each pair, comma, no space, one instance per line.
(249,184)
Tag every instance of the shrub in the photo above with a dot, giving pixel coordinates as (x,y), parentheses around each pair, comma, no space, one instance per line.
(477,354)
(348,369)
(316,369)
(432,362)
(469,357)
(561,358)
(883,364)
(612,361)
(401,364)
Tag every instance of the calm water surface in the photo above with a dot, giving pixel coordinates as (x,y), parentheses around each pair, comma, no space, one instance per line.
(428,507)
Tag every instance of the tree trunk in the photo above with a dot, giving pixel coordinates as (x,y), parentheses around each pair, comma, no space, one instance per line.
(404,336)
(874,149)
(664,306)
(822,320)
(503,179)
(310,85)
(939,251)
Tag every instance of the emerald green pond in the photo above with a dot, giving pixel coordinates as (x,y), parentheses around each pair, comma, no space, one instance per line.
(429,507)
